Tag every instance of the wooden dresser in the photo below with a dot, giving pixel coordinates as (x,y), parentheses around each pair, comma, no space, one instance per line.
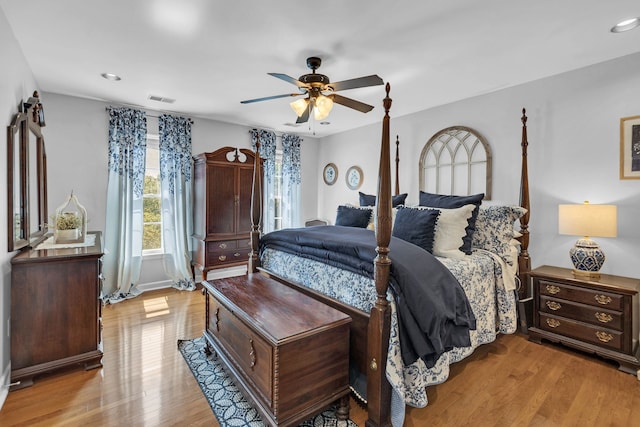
(289,352)
(222,208)
(595,315)
(55,310)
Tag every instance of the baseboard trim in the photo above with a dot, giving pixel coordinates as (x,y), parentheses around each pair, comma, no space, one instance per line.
(152,286)
(4,387)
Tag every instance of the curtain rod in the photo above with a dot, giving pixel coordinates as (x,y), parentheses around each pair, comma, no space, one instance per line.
(278,134)
(149,115)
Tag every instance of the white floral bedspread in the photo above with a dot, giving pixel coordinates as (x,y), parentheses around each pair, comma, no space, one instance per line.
(480,277)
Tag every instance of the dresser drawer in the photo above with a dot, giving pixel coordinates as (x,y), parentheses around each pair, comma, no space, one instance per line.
(592,297)
(585,313)
(602,337)
(221,246)
(227,257)
(248,352)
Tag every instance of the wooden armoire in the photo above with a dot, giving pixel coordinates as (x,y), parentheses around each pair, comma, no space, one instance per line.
(222,208)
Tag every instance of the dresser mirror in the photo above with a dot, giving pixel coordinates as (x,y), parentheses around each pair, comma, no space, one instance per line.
(26,177)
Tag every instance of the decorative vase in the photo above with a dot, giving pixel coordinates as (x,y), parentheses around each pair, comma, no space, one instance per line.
(67,236)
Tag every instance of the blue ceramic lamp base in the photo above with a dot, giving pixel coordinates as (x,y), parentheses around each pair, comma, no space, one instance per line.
(587,258)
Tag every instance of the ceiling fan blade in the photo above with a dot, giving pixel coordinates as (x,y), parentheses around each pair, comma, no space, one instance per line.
(289,79)
(305,116)
(351,103)
(266,98)
(372,80)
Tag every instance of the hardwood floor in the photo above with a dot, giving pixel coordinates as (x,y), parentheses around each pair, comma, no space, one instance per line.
(145,381)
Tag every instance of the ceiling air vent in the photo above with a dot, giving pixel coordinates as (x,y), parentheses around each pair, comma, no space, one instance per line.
(161,99)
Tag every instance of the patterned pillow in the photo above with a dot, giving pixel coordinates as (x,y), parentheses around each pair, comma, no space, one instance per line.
(451,230)
(451,202)
(495,231)
(353,217)
(416,226)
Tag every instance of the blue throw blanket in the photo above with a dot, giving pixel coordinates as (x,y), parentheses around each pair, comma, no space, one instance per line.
(434,314)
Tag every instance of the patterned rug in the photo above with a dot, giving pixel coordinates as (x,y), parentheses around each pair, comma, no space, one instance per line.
(228,403)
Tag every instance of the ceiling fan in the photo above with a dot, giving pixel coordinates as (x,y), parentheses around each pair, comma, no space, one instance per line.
(321,92)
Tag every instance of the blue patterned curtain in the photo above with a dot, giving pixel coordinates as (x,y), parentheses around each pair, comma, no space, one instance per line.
(290,181)
(175,186)
(268,153)
(123,229)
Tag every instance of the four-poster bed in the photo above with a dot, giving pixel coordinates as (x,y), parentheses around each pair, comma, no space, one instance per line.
(374,329)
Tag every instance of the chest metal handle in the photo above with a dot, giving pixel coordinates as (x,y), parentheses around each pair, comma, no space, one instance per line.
(554,305)
(553,323)
(603,317)
(603,299)
(553,289)
(603,336)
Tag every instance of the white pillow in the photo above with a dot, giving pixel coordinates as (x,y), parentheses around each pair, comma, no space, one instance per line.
(450,229)
(374,215)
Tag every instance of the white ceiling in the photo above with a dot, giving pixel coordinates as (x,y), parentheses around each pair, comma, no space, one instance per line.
(209,55)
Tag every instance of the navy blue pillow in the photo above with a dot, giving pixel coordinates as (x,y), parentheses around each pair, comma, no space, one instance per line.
(370,199)
(417,226)
(353,217)
(453,202)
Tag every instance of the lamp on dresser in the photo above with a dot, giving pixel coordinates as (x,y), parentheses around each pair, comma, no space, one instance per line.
(587,220)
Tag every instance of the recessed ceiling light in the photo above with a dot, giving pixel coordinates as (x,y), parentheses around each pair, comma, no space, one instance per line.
(626,25)
(111,76)
(325,123)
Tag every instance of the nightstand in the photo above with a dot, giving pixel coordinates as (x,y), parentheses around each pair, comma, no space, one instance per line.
(594,315)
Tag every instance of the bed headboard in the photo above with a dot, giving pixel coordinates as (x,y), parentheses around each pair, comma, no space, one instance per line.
(456,160)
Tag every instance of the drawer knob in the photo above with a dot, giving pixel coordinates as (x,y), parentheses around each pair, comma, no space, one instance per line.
(603,336)
(252,354)
(373,365)
(602,299)
(222,246)
(553,323)
(237,254)
(554,305)
(604,317)
(553,289)
(222,257)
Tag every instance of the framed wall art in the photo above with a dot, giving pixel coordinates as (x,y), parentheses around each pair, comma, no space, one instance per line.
(630,147)
(330,174)
(354,177)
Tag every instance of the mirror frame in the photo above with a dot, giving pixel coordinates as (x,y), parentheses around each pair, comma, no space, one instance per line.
(25,151)
(16,182)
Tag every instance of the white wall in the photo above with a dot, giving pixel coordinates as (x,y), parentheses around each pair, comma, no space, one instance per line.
(574,147)
(16,84)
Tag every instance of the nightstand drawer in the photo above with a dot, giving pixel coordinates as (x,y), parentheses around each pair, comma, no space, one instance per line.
(602,337)
(582,312)
(596,298)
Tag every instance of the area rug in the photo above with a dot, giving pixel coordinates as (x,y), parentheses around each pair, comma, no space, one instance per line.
(228,403)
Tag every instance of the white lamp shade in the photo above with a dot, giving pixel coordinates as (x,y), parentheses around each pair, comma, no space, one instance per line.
(300,106)
(324,104)
(588,220)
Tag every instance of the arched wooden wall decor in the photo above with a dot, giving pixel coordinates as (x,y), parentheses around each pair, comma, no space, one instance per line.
(456,160)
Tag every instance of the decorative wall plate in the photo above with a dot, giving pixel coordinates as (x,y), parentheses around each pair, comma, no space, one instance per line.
(354,177)
(330,174)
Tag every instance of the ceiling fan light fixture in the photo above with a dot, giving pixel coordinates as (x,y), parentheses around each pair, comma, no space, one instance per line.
(300,106)
(323,106)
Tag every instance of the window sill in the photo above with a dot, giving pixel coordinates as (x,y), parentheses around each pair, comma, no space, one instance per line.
(152,255)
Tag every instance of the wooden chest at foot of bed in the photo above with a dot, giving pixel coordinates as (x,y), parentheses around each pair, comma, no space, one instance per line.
(289,352)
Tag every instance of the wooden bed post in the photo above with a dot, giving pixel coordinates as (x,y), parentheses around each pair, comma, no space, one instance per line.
(256,209)
(378,388)
(524,261)
(397,164)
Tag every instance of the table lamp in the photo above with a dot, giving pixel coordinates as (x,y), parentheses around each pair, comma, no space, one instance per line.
(589,221)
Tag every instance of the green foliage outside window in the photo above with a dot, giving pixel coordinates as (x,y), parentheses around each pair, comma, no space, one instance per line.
(152,231)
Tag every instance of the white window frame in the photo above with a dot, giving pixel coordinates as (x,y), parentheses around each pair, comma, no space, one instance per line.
(153,140)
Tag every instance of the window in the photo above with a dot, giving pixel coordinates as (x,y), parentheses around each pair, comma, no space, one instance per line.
(277,192)
(152,201)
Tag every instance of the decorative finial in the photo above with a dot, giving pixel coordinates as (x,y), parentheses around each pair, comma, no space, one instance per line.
(387,101)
